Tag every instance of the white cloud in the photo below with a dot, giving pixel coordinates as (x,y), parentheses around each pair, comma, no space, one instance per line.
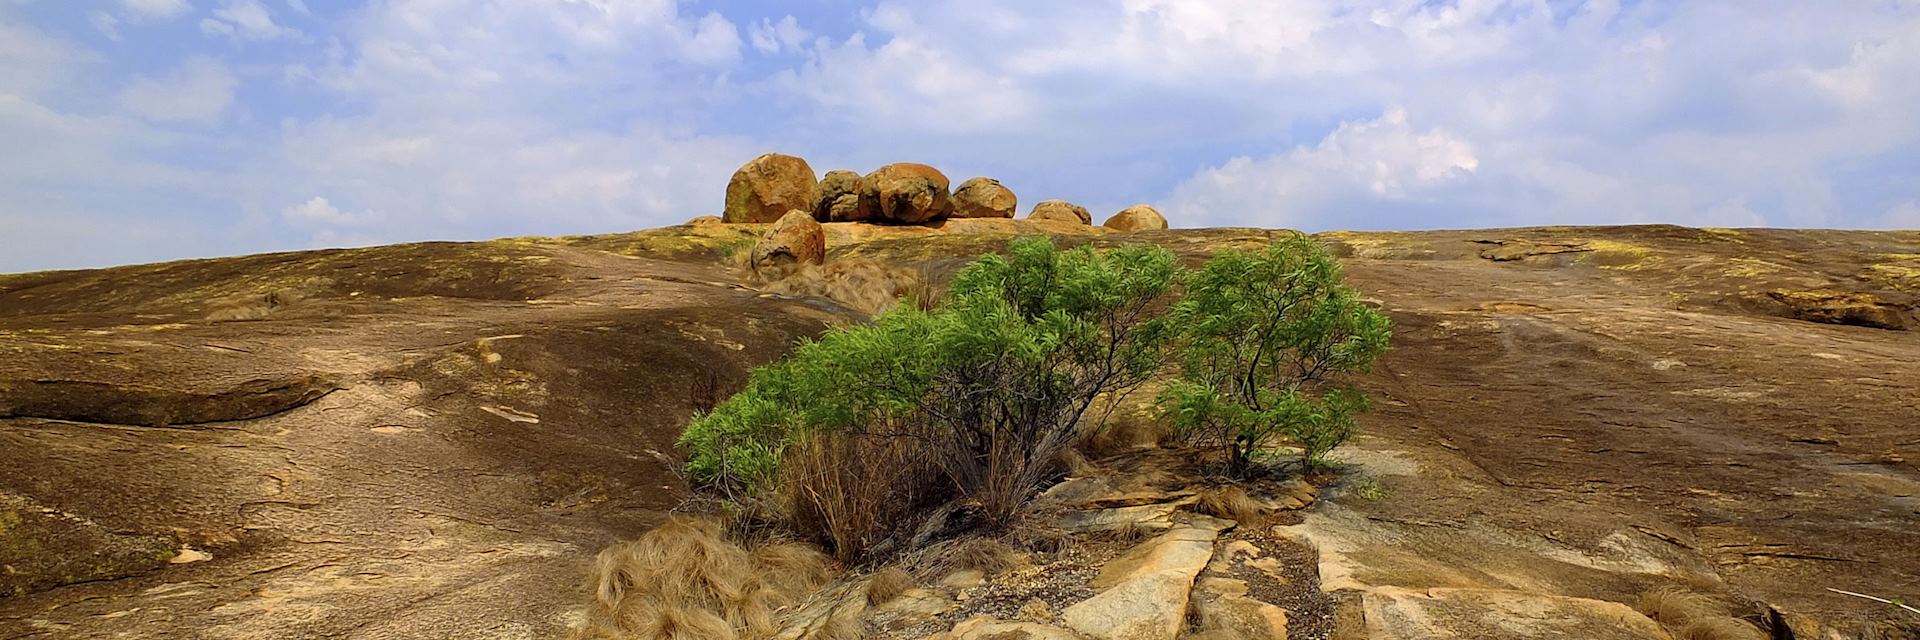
(105,23)
(774,37)
(299,7)
(155,9)
(318,212)
(245,20)
(531,117)
(200,90)
(1384,159)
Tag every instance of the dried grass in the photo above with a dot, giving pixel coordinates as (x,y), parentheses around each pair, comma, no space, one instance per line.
(1695,616)
(888,584)
(851,491)
(986,555)
(685,580)
(1230,502)
(1125,432)
(1673,607)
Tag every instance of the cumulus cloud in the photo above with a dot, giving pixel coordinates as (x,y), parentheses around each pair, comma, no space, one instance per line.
(769,36)
(533,117)
(469,120)
(245,20)
(1384,159)
(156,9)
(318,212)
(200,90)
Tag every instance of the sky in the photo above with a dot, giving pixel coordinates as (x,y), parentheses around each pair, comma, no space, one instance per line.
(146,130)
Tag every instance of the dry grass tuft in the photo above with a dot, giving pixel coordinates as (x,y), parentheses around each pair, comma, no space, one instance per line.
(793,567)
(685,579)
(1128,431)
(866,285)
(1230,502)
(1719,628)
(986,555)
(888,584)
(1694,616)
(850,491)
(1042,539)
(1674,608)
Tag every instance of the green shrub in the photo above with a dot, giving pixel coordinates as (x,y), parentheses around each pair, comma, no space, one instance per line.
(991,385)
(1268,341)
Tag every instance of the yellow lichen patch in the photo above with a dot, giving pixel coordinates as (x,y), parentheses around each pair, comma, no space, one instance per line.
(1614,254)
(1750,268)
(1904,276)
(686,241)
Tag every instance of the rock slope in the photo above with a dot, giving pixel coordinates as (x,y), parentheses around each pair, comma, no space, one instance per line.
(430,440)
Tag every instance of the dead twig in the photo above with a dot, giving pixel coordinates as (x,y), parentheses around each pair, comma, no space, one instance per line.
(1875,599)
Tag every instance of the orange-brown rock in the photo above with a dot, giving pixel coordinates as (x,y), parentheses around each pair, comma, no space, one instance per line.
(906,192)
(768,187)
(1061,210)
(1138,217)
(795,239)
(984,198)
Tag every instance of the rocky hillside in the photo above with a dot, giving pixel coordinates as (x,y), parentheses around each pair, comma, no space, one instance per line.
(431,440)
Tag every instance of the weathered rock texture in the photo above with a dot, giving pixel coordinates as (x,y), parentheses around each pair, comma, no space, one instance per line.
(1060,211)
(836,198)
(768,187)
(1571,425)
(1138,217)
(906,192)
(794,240)
(984,198)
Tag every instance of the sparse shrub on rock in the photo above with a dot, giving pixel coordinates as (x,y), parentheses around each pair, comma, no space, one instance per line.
(836,198)
(795,239)
(984,198)
(1138,217)
(1268,342)
(768,187)
(988,388)
(906,192)
(1061,211)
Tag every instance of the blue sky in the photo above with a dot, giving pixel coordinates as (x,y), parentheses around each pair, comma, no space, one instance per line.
(144,130)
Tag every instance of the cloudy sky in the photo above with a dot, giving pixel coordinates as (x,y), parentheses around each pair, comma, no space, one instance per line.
(143,130)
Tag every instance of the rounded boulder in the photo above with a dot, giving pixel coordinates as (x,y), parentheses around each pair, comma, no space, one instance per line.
(906,192)
(767,187)
(984,198)
(795,239)
(836,198)
(1062,211)
(1138,217)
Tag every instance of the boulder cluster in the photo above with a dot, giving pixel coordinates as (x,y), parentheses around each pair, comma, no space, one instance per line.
(767,188)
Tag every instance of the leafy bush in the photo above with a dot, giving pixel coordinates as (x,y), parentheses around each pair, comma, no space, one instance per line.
(1268,340)
(990,386)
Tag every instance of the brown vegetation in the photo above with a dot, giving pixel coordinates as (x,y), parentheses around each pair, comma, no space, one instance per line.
(1230,502)
(851,491)
(1693,616)
(888,584)
(986,555)
(685,579)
